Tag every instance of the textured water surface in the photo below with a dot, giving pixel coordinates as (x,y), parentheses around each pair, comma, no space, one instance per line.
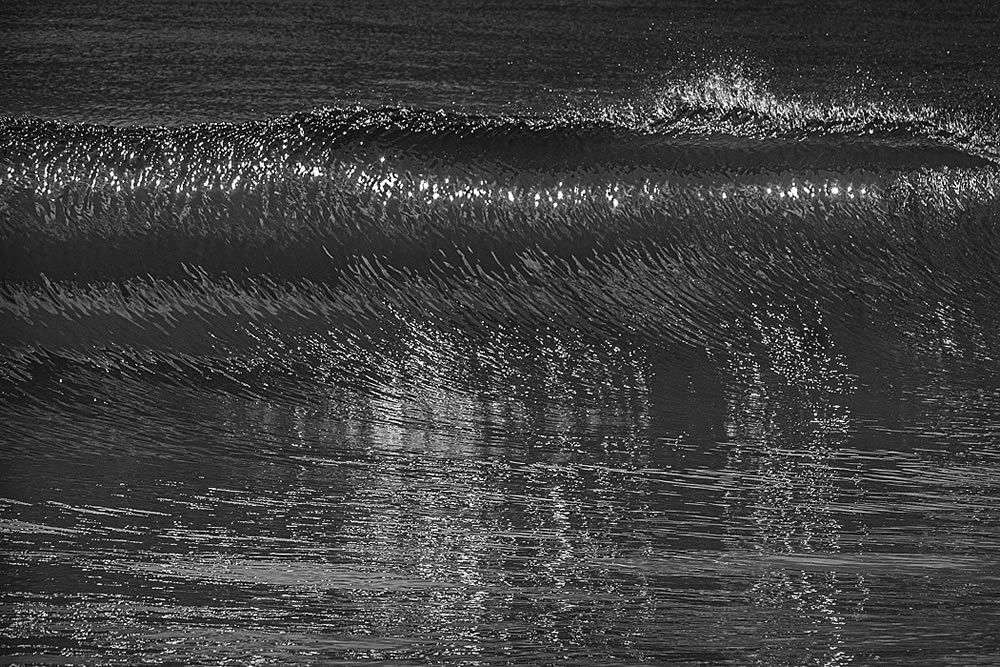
(692,359)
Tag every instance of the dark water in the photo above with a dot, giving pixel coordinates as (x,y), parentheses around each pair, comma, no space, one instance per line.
(602,333)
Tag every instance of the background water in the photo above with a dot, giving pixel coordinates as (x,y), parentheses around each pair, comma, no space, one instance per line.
(564,333)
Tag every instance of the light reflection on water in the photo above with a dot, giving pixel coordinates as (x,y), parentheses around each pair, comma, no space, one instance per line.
(512,500)
(551,340)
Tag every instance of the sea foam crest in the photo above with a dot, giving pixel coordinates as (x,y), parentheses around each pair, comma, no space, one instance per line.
(732,100)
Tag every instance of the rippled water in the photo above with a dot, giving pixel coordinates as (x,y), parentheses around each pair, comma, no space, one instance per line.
(629,350)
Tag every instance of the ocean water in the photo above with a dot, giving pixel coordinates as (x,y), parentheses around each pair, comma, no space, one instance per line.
(543,333)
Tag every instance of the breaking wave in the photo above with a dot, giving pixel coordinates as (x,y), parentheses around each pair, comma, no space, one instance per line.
(709,218)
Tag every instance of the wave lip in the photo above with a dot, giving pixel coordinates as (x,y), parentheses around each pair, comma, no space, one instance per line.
(686,139)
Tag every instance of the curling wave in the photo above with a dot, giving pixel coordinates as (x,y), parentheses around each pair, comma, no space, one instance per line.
(725,211)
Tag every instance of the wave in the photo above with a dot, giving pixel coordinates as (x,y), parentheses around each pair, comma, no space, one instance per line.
(716,221)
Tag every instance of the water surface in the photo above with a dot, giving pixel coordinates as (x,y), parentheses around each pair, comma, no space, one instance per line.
(535,335)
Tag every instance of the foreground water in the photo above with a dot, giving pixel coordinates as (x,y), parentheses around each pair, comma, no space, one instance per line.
(707,375)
